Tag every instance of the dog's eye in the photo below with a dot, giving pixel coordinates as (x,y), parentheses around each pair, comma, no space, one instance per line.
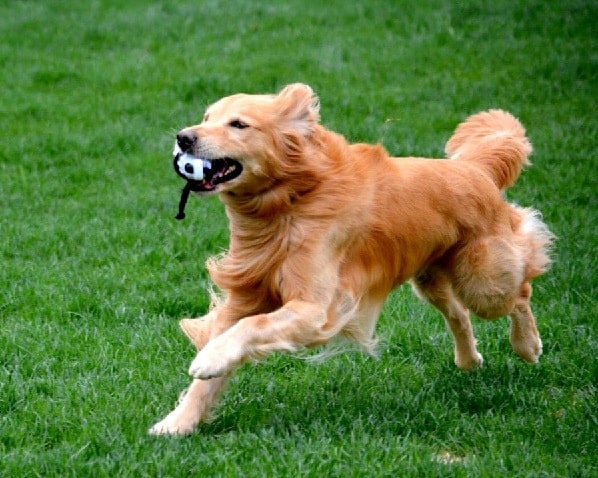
(205,117)
(238,124)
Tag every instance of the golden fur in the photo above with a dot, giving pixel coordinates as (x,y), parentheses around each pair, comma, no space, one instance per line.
(321,231)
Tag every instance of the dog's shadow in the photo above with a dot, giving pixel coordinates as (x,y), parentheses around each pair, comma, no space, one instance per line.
(376,398)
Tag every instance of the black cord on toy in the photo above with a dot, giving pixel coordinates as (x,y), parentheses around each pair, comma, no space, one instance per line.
(183,201)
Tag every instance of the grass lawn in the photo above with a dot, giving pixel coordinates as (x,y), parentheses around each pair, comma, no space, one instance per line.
(95,272)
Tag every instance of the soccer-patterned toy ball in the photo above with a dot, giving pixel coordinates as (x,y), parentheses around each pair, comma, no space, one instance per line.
(191,167)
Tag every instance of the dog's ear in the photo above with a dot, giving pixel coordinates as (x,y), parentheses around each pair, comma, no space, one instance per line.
(300,106)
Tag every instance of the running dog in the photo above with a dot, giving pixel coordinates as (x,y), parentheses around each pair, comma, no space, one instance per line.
(321,231)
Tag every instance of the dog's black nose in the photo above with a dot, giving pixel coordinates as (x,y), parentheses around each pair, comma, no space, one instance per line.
(185,139)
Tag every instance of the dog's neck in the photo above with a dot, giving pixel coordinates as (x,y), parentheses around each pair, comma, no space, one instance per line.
(285,194)
(247,265)
(276,200)
(265,227)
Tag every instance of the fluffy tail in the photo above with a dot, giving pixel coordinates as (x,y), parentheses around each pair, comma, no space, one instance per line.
(495,141)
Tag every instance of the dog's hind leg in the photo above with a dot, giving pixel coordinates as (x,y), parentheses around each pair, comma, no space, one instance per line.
(435,287)
(525,338)
(537,240)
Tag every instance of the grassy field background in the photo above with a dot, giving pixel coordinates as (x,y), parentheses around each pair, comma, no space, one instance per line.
(95,272)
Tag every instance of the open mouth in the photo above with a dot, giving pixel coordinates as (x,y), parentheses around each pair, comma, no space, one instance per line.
(204,175)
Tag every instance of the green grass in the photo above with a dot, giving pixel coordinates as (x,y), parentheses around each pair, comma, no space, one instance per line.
(95,272)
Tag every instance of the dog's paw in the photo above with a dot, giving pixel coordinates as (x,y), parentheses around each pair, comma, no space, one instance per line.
(205,370)
(470,362)
(173,424)
(213,361)
(529,350)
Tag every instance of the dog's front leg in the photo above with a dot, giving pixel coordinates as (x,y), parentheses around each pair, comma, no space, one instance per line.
(198,330)
(195,404)
(193,407)
(297,324)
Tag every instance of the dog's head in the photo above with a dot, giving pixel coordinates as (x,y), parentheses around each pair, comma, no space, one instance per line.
(247,143)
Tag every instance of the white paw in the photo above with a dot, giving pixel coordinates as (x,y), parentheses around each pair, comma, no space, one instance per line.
(204,369)
(213,361)
(172,425)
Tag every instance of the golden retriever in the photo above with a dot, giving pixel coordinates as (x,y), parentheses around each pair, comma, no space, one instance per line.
(322,230)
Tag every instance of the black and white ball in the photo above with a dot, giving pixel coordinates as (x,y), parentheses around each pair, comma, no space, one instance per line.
(191,167)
